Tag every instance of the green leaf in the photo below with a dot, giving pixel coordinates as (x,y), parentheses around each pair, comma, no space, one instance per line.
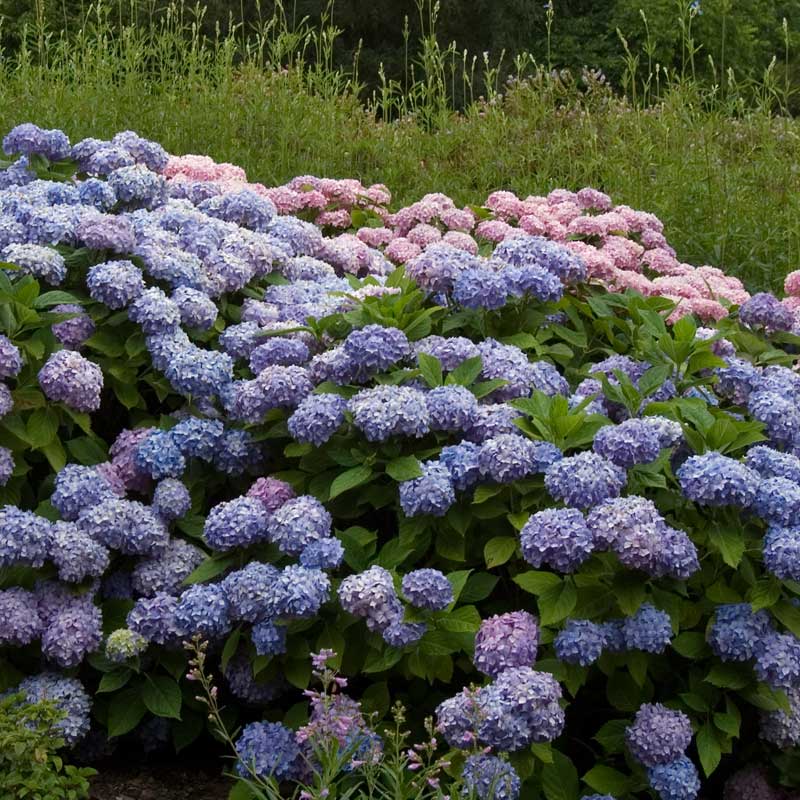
(381,660)
(405,468)
(210,568)
(629,591)
(116,679)
(87,450)
(560,779)
(431,369)
(42,427)
(606,780)
(789,615)
(485,492)
(499,550)
(228,651)
(187,730)
(125,712)
(458,580)
(557,603)
(690,644)
(55,298)
(764,594)
(537,582)
(106,343)
(55,455)
(708,749)
(729,543)
(162,696)
(297,671)
(466,372)
(479,586)
(611,736)
(729,676)
(350,479)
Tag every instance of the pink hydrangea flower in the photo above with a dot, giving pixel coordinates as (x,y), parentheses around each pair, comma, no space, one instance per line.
(375,237)
(625,253)
(792,283)
(400,250)
(461,241)
(424,234)
(593,198)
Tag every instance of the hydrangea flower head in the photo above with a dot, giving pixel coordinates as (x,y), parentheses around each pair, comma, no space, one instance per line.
(431,493)
(427,588)
(505,641)
(649,629)
(677,780)
(581,642)
(558,537)
(712,479)
(69,378)
(490,778)
(584,480)
(658,735)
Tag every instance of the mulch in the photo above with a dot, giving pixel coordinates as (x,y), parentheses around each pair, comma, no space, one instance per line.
(160,782)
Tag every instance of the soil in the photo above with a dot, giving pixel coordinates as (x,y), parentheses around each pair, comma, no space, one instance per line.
(160,782)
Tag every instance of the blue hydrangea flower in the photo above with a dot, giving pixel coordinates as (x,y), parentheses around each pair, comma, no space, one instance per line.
(525,251)
(777,501)
(166,571)
(197,310)
(493,420)
(427,588)
(584,480)
(20,623)
(677,780)
(29,139)
(614,636)
(630,443)
(649,629)
(73,331)
(97,193)
(297,523)
(451,351)
(246,590)
(371,595)
(763,311)
(402,634)
(115,283)
(325,553)
(237,452)
(245,686)
(171,499)
(236,523)
(154,312)
(125,525)
(25,537)
(68,695)
(431,493)
(200,373)
(137,187)
(268,750)
(67,377)
(480,288)
(508,457)
(451,408)
(76,554)
(73,632)
(386,411)
(203,609)
(782,553)
(159,456)
(280,351)
(534,281)
(557,537)
(438,266)
(490,778)
(374,348)
(244,207)
(738,632)
(317,418)
(658,735)
(268,638)
(712,479)
(779,414)
(198,438)
(579,642)
(769,463)
(463,464)
(457,719)
(781,727)
(298,593)
(736,381)
(78,487)
(10,358)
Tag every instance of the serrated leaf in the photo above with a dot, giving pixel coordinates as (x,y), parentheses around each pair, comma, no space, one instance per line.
(405,468)
(557,603)
(708,749)
(41,427)
(350,479)
(485,492)
(116,679)
(210,568)
(499,550)
(466,372)
(729,543)
(431,369)
(537,582)
(162,696)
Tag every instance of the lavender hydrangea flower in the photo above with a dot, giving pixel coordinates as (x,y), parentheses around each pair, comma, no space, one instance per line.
(490,778)
(244,207)
(237,453)
(271,493)
(508,457)
(451,408)
(268,750)
(712,479)
(171,499)
(648,629)
(29,139)
(431,493)
(106,232)
(297,523)
(6,465)
(279,351)
(402,634)
(76,554)
(579,642)
(525,251)
(387,411)
(769,463)
(159,456)
(782,553)
(25,538)
(677,780)
(154,618)
(77,488)
(630,443)
(427,588)
(777,501)
(658,735)
(68,695)
(125,525)
(493,420)
(154,312)
(115,283)
(317,418)
(737,380)
(480,288)
(584,480)
(236,523)
(463,464)
(197,438)
(738,632)
(73,633)
(534,281)
(298,593)
(10,358)
(438,266)
(451,351)
(137,187)
(69,378)
(374,348)
(247,588)
(96,193)
(779,414)
(20,623)
(763,311)
(371,595)
(197,309)
(72,332)
(781,727)
(558,537)
(166,571)
(505,641)
(268,638)
(457,719)
(778,661)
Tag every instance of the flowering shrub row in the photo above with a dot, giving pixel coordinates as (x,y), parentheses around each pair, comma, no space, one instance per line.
(567,520)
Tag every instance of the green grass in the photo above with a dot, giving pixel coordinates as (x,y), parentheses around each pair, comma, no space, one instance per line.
(720,171)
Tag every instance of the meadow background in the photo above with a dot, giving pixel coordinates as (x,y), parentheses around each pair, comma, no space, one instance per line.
(686,111)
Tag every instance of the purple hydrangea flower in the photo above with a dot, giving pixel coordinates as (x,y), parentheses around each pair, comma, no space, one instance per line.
(779,414)
(371,595)
(451,408)
(737,380)
(493,420)
(386,411)
(508,457)
(451,351)
(29,139)
(268,750)
(580,642)
(374,348)
(197,309)
(402,634)
(781,728)
(72,332)
(325,553)
(649,629)
(10,358)
(463,464)
(69,378)
(427,588)
(536,251)
(76,554)
(197,438)
(279,351)
(106,232)
(584,480)
(317,418)
(558,537)
(268,638)
(431,493)
(68,695)
(236,523)
(490,778)
(505,641)
(297,523)
(25,537)
(73,633)
(237,453)
(769,463)
(247,589)
(457,719)
(658,735)
(171,499)
(154,312)
(125,525)
(778,660)
(159,456)
(712,479)
(166,571)
(6,465)
(480,288)
(271,493)
(763,311)
(20,623)
(438,266)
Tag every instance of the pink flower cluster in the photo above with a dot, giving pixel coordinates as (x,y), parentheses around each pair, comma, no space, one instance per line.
(623,248)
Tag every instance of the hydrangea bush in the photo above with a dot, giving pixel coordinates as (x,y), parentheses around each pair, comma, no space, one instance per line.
(514,463)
